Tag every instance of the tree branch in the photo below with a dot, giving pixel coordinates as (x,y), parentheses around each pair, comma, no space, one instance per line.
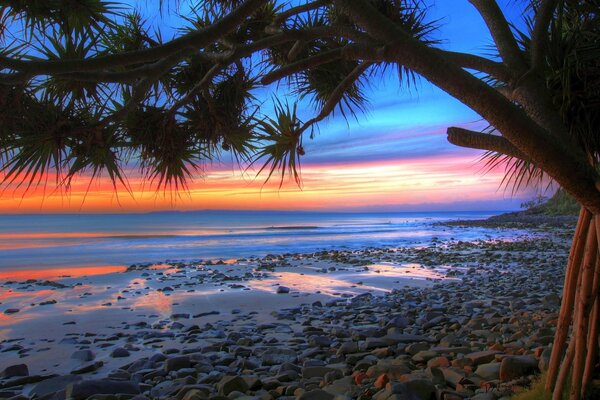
(191,40)
(289,69)
(206,79)
(501,33)
(539,36)
(299,9)
(470,61)
(483,141)
(337,94)
(574,172)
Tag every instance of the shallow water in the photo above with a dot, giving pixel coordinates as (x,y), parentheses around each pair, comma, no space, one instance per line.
(41,242)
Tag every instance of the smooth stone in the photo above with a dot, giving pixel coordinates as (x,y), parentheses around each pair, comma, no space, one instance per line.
(54,385)
(482,357)
(316,394)
(177,363)
(316,372)
(513,367)
(231,383)
(88,368)
(120,352)
(278,356)
(283,289)
(84,389)
(15,370)
(84,355)
(488,372)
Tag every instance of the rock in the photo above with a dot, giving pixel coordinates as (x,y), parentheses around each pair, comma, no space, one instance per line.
(544,362)
(488,372)
(120,352)
(484,396)
(15,370)
(513,367)
(393,368)
(231,383)
(48,302)
(84,389)
(319,341)
(9,311)
(283,289)
(413,388)
(482,357)
(88,368)
(319,372)
(278,356)
(398,321)
(83,355)
(424,356)
(177,363)
(316,394)
(347,348)
(53,385)
(414,348)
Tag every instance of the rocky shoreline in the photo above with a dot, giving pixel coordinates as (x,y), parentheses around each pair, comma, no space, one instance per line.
(481,332)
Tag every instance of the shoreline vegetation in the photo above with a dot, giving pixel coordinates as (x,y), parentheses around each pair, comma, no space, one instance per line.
(471,319)
(561,210)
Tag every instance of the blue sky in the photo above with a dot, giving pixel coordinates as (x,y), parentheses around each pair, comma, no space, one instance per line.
(404,129)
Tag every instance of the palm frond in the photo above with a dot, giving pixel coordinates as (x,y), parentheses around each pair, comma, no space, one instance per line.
(280,143)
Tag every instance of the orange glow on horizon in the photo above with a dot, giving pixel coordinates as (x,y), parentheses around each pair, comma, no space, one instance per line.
(427,180)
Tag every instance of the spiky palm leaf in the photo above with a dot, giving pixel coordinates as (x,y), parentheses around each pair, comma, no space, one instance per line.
(73,16)
(572,74)
(281,143)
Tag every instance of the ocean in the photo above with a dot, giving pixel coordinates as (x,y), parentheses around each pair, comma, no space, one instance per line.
(31,242)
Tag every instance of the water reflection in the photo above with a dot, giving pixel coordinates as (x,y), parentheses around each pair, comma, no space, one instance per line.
(56,273)
(376,277)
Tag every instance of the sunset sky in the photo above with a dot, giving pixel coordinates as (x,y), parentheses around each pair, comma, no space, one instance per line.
(394,158)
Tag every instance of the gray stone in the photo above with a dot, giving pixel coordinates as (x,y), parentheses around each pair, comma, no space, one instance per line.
(488,372)
(177,363)
(230,383)
(54,385)
(84,355)
(120,352)
(15,370)
(316,372)
(316,394)
(278,356)
(513,367)
(482,357)
(84,389)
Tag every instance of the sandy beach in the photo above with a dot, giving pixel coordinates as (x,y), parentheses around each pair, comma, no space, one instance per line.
(268,319)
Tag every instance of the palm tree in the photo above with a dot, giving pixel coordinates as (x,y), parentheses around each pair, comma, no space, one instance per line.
(81,93)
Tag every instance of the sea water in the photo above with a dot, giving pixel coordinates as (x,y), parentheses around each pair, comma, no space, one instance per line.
(38,241)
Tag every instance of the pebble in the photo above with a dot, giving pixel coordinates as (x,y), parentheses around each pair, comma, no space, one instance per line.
(452,337)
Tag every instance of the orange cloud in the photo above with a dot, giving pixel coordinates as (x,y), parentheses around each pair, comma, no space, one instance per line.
(435,179)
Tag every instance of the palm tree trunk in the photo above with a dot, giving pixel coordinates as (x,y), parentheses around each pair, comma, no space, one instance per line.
(579,314)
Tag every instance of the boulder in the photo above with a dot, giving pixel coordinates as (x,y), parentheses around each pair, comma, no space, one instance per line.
(177,363)
(231,383)
(120,352)
(513,367)
(488,372)
(15,370)
(83,355)
(278,356)
(482,357)
(53,385)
